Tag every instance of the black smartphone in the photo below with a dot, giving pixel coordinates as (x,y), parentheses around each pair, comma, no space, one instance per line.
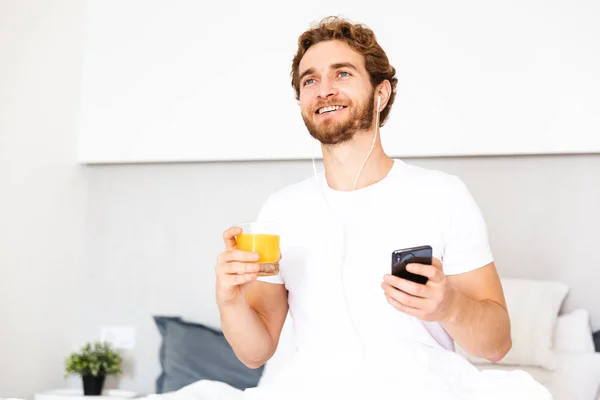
(413,255)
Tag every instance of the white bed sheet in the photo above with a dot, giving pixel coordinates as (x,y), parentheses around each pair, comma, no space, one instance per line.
(576,378)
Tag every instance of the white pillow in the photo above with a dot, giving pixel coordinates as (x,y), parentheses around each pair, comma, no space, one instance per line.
(573,333)
(577,376)
(533,307)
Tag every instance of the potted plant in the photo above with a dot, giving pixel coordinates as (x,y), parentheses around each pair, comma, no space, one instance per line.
(94,362)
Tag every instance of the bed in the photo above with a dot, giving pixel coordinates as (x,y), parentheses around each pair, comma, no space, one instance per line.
(577,376)
(556,348)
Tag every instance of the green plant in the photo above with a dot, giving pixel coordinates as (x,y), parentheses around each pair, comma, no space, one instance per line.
(95,359)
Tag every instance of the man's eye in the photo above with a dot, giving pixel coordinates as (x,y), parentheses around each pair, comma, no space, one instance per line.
(344,74)
(308,81)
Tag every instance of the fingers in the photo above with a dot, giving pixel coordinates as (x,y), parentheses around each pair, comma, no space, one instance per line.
(237,268)
(226,283)
(410,287)
(235,273)
(430,271)
(415,312)
(237,255)
(241,279)
(404,298)
(229,237)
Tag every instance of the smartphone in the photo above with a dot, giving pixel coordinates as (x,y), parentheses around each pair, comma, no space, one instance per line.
(413,255)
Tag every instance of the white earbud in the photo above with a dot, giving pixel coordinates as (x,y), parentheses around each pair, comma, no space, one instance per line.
(378,102)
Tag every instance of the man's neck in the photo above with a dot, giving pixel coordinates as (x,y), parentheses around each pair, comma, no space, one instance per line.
(343,162)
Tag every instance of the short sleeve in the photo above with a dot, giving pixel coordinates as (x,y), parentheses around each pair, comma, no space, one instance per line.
(466,245)
(268,212)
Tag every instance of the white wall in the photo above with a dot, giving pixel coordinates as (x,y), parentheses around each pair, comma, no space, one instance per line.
(42,192)
(150,233)
(157,85)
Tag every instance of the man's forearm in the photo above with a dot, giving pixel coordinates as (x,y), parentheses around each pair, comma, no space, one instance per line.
(482,328)
(247,334)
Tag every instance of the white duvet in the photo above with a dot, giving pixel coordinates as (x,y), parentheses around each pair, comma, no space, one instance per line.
(420,373)
(504,387)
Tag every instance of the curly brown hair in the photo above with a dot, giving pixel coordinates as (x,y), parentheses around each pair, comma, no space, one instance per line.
(360,38)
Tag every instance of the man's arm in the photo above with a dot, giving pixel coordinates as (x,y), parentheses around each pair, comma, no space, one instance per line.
(470,306)
(478,319)
(253,325)
(252,312)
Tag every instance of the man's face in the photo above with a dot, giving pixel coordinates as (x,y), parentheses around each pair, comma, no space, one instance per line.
(336,95)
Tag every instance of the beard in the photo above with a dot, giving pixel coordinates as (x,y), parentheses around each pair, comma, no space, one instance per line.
(331,132)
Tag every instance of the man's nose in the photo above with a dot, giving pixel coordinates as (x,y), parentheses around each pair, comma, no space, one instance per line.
(326,89)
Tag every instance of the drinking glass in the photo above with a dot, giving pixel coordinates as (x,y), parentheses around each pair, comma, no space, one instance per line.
(262,238)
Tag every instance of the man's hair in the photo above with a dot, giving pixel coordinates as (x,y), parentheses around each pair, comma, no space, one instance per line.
(360,38)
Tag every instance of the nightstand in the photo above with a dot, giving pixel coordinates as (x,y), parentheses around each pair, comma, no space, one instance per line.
(77,394)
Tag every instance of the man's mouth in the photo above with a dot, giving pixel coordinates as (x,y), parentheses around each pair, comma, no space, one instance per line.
(329,109)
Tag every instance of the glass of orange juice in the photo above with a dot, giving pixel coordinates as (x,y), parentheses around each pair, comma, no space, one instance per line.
(262,238)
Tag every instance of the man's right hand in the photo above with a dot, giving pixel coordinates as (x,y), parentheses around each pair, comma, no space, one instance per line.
(234,270)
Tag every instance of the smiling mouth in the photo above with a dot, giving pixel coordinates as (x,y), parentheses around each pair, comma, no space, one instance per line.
(329,109)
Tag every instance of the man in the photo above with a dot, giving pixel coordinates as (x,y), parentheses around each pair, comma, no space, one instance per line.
(357,327)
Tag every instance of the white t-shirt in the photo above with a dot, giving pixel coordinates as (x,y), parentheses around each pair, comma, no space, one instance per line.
(336,247)
(348,341)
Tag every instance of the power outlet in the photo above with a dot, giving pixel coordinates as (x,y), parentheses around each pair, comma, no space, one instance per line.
(121,337)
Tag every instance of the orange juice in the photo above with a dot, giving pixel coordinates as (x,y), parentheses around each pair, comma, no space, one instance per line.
(266,245)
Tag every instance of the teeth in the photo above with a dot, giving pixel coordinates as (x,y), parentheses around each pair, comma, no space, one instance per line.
(330,108)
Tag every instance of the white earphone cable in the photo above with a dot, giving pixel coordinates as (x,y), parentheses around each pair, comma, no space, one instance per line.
(344,239)
(372,144)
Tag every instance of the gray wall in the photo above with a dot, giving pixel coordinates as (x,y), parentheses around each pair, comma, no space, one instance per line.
(153,232)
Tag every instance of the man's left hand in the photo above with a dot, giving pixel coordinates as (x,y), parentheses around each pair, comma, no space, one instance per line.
(433,301)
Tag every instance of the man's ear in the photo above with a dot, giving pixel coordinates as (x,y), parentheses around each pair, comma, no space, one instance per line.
(384,89)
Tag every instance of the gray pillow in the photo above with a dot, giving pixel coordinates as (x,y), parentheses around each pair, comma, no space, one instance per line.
(191,352)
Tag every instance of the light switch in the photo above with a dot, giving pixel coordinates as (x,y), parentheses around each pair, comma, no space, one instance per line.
(121,337)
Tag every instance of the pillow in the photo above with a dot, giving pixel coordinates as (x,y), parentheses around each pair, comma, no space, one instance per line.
(573,333)
(577,376)
(191,352)
(533,307)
